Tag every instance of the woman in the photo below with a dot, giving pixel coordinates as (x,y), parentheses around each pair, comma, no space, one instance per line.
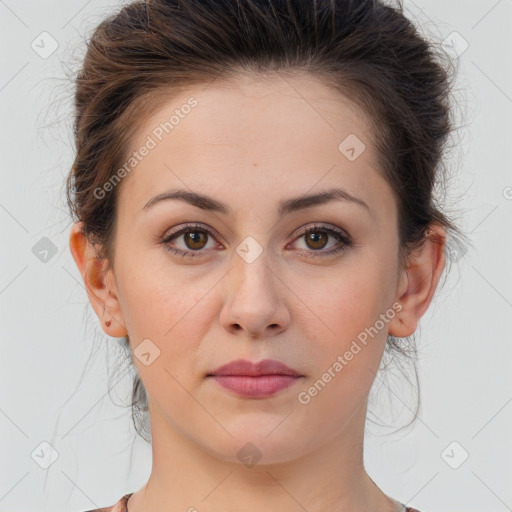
(253,190)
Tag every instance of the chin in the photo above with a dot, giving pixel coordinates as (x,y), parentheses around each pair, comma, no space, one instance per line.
(251,445)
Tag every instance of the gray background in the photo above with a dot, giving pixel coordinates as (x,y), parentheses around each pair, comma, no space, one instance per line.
(48,329)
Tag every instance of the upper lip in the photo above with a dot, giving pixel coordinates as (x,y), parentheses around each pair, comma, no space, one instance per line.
(248,368)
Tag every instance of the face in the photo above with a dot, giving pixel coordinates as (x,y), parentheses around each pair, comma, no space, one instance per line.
(251,273)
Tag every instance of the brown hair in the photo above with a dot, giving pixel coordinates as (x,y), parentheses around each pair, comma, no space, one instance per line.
(140,56)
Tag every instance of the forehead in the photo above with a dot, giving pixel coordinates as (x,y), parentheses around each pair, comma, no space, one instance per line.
(301,104)
(256,136)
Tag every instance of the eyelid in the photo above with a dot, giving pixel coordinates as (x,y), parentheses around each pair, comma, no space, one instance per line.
(344,238)
(199,226)
(325,227)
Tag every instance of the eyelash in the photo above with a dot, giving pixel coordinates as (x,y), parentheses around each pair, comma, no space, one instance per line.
(316,228)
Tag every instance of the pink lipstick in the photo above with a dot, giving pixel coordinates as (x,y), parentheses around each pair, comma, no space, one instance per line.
(255,380)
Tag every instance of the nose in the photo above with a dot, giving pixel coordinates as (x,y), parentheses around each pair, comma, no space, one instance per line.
(255,302)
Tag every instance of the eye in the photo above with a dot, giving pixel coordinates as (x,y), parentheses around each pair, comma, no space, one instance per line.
(316,238)
(195,237)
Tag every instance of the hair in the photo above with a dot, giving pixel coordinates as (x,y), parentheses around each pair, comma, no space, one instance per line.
(142,55)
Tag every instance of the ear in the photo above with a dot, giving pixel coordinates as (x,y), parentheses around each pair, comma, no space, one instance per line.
(99,283)
(418,282)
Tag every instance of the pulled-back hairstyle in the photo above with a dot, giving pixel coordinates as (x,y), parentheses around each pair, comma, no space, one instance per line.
(140,57)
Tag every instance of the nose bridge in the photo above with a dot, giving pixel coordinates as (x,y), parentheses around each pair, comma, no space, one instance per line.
(252,276)
(253,301)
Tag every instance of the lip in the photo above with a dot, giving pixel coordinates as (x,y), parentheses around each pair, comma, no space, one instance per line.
(255,380)
(250,369)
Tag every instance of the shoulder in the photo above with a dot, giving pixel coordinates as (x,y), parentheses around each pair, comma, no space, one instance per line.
(103,509)
(120,506)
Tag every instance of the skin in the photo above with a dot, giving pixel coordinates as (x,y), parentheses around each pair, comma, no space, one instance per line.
(250,144)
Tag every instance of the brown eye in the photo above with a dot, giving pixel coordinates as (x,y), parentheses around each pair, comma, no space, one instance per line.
(190,240)
(316,239)
(195,239)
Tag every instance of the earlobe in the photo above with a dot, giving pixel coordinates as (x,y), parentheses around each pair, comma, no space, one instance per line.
(418,282)
(100,290)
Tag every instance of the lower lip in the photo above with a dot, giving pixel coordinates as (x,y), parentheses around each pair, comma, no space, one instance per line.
(255,387)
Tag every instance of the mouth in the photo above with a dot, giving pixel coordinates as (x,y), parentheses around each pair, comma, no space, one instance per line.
(255,380)
(255,387)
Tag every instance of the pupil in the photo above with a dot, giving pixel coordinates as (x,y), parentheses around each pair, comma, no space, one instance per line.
(314,237)
(195,236)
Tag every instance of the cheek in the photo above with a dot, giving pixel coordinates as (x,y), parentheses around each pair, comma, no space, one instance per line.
(345,304)
(349,338)
(166,307)
(348,332)
(164,311)
(155,295)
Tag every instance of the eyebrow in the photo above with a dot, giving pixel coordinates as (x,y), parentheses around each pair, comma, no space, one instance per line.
(285,207)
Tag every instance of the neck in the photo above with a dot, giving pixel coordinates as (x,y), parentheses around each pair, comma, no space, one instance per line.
(186,476)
